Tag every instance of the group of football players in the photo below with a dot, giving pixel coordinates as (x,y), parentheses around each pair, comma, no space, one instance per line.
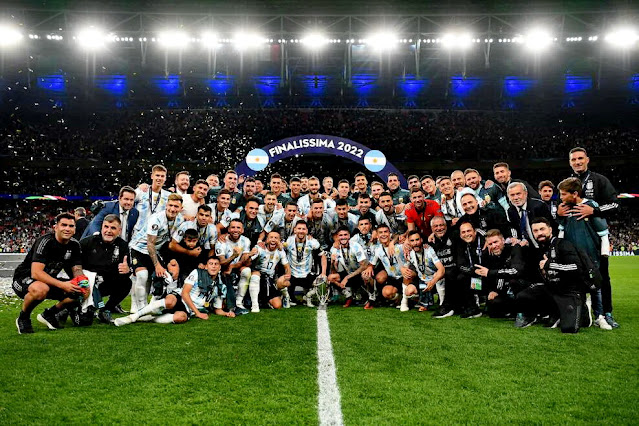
(452,244)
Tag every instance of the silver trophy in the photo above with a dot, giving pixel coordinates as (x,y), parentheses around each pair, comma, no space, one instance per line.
(322,290)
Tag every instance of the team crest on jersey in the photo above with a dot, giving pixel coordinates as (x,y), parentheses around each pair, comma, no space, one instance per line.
(401,199)
(589,185)
(180,233)
(449,243)
(135,261)
(553,254)
(67,255)
(483,223)
(154,227)
(487,199)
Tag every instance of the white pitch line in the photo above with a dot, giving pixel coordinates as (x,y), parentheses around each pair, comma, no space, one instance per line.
(329,406)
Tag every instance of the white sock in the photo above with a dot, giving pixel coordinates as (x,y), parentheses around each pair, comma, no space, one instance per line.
(134,304)
(164,319)
(404,302)
(441,290)
(254,291)
(242,286)
(140,289)
(154,305)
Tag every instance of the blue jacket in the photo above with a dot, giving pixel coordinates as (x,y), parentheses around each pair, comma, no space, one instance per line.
(112,207)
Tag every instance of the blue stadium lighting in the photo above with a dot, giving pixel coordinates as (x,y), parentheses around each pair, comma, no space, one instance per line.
(411,88)
(267,85)
(221,86)
(315,85)
(577,85)
(462,87)
(52,83)
(168,86)
(515,87)
(115,85)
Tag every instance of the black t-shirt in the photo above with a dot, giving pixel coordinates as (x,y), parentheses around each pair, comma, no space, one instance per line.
(101,257)
(55,256)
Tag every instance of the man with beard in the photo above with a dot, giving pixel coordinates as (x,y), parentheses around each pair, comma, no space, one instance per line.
(182,183)
(502,174)
(502,273)
(230,185)
(394,281)
(367,238)
(264,286)
(361,186)
(487,191)
(221,215)
(413,182)
(191,202)
(430,188)
(444,243)
(428,270)
(458,180)
(36,278)
(376,189)
(420,213)
(253,226)
(248,192)
(320,225)
(234,254)
(307,262)
(348,261)
(485,219)
(522,210)
(305,202)
(269,211)
(469,254)
(304,185)
(388,216)
(342,217)
(598,188)
(284,223)
(364,207)
(213,180)
(105,254)
(560,295)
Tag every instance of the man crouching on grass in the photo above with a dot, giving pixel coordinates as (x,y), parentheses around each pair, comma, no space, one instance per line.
(36,278)
(203,292)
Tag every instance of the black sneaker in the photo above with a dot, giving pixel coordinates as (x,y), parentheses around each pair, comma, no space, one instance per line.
(104,316)
(444,312)
(552,322)
(240,311)
(62,316)
(523,321)
(118,309)
(471,313)
(49,319)
(24,325)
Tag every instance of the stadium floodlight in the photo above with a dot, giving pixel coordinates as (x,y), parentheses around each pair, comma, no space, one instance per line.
(210,40)
(9,36)
(622,37)
(243,41)
(456,41)
(382,40)
(314,40)
(91,38)
(173,39)
(535,40)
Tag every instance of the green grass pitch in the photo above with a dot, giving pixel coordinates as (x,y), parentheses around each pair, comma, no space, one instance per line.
(392,368)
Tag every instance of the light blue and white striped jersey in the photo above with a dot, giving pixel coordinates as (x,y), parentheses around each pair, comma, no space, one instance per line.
(226,248)
(223,217)
(207,235)
(159,226)
(424,263)
(204,298)
(148,203)
(304,204)
(350,221)
(367,244)
(300,255)
(391,258)
(265,260)
(276,215)
(349,258)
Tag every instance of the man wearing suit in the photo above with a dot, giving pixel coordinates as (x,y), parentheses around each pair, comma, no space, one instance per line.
(523,210)
(123,208)
(81,222)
